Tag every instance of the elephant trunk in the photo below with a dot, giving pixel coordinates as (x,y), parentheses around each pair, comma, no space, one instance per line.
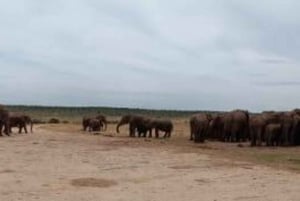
(105,125)
(118,127)
(7,127)
(31,125)
(122,122)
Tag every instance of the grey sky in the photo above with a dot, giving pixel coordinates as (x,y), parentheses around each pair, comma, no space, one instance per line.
(161,54)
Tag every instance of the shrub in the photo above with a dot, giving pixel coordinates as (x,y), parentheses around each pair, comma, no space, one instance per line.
(54,121)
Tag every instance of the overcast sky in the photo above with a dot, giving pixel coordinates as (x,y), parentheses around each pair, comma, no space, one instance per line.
(162,54)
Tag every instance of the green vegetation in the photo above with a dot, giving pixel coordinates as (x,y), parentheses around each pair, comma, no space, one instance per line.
(280,158)
(75,114)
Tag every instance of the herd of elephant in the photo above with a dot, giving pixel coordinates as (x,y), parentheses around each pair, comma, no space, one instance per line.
(269,128)
(140,125)
(9,120)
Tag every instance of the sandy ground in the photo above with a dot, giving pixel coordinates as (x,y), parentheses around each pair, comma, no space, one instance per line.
(65,164)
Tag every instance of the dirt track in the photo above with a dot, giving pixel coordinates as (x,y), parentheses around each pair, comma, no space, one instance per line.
(58,164)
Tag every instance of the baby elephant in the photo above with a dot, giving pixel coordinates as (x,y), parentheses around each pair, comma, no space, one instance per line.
(95,125)
(273,134)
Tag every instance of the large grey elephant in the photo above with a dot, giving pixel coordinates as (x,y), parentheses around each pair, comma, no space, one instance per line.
(20,121)
(216,127)
(296,130)
(4,120)
(288,125)
(199,127)
(146,126)
(134,121)
(291,128)
(236,126)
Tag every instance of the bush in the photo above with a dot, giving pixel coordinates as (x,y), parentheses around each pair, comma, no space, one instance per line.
(54,121)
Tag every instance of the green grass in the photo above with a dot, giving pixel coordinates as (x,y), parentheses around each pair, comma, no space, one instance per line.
(279,158)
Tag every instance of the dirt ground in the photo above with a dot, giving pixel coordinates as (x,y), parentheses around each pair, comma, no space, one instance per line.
(62,163)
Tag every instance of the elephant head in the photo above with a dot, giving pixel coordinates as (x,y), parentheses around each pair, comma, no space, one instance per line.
(124,120)
(95,125)
(103,121)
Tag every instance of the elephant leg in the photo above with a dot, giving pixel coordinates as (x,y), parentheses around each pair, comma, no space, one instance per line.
(139,133)
(192,134)
(232,137)
(238,136)
(20,129)
(253,136)
(268,139)
(1,127)
(259,137)
(150,133)
(202,135)
(156,133)
(6,129)
(166,134)
(131,130)
(25,128)
(253,139)
(219,134)
(286,136)
(228,136)
(196,136)
(192,137)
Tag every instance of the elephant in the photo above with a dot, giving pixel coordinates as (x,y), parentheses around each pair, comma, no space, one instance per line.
(134,121)
(162,125)
(95,125)
(291,128)
(146,126)
(236,126)
(86,121)
(258,123)
(199,125)
(296,130)
(273,134)
(216,127)
(20,120)
(4,120)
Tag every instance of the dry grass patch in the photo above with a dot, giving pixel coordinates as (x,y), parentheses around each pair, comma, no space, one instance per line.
(93,182)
